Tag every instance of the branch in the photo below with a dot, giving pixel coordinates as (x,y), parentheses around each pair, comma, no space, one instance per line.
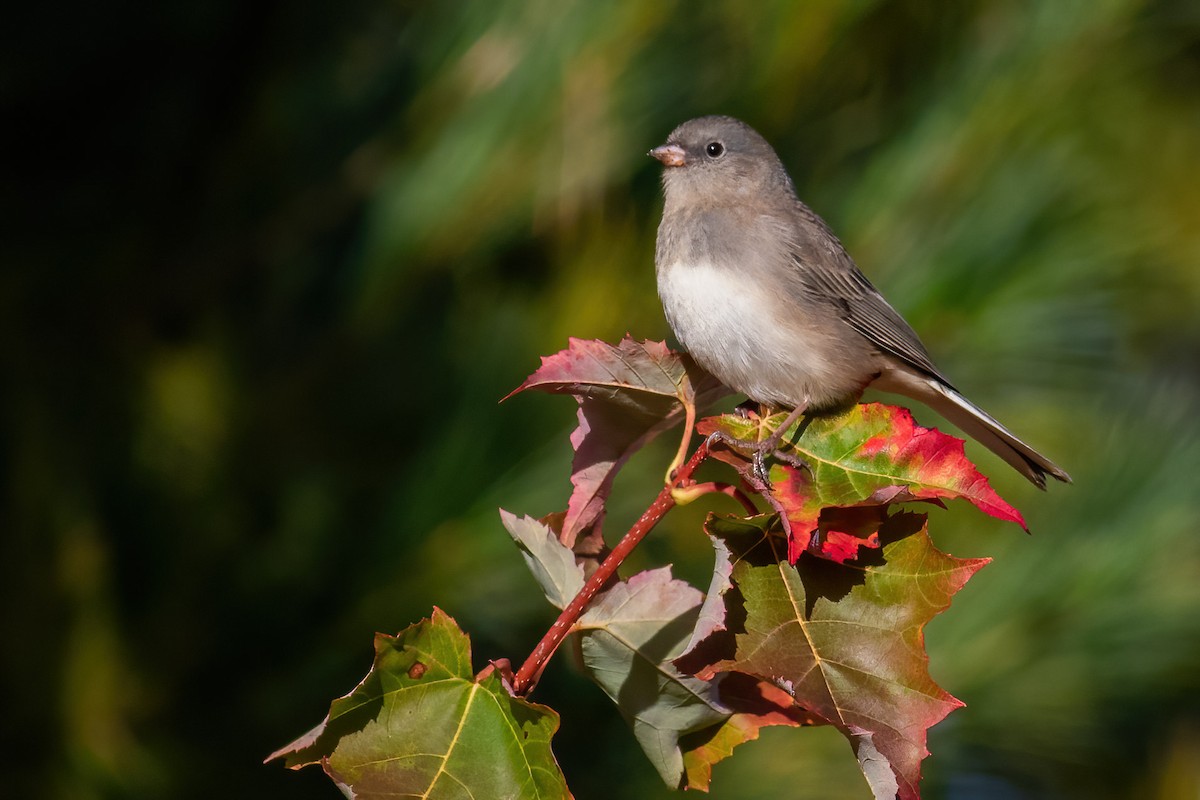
(531,670)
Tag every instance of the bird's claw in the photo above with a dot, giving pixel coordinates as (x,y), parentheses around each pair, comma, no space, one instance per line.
(792,459)
(762,471)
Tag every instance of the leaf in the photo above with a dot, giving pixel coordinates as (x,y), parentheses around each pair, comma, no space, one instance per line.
(755,704)
(627,394)
(845,640)
(553,565)
(672,714)
(628,637)
(844,532)
(872,455)
(711,621)
(419,725)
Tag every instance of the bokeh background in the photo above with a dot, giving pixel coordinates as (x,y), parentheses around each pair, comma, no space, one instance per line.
(268,267)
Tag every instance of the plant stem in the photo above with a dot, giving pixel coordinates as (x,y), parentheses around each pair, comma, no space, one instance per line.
(531,670)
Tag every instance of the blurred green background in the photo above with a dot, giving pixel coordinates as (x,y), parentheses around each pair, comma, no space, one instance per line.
(269,266)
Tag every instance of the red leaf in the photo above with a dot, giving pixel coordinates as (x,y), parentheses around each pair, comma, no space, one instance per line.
(843,532)
(842,547)
(627,394)
(872,455)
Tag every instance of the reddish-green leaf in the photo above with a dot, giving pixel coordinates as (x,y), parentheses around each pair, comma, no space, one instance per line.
(845,640)
(872,455)
(627,394)
(755,704)
(420,725)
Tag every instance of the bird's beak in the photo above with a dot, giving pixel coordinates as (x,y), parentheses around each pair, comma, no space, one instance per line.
(671,155)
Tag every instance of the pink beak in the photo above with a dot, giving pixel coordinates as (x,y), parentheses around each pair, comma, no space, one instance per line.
(671,155)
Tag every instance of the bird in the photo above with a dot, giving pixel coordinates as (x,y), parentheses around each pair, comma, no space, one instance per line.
(761,293)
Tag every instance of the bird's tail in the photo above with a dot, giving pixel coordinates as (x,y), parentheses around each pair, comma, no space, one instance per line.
(979,425)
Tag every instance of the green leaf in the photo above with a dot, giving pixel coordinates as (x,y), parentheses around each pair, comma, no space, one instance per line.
(845,640)
(871,455)
(420,725)
(553,564)
(628,637)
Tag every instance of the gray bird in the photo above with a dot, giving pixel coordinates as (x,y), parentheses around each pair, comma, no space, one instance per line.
(762,294)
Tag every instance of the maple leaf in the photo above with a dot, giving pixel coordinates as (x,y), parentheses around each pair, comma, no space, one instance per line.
(754,704)
(628,393)
(420,725)
(871,455)
(845,641)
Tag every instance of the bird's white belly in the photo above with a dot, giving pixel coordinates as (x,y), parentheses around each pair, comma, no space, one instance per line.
(730,324)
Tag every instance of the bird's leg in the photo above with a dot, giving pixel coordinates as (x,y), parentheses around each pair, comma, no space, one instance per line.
(770,445)
(760,450)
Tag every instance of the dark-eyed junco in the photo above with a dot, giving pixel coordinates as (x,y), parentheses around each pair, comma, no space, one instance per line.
(763,295)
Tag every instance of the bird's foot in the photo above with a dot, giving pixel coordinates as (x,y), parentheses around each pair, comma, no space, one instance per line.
(759,461)
(760,452)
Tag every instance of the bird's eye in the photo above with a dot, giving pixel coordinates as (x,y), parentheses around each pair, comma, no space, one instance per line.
(714,149)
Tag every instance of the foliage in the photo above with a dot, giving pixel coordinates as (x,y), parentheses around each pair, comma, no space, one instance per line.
(830,608)
(269,267)
(419,725)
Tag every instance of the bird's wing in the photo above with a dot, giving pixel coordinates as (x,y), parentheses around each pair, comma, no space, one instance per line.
(828,274)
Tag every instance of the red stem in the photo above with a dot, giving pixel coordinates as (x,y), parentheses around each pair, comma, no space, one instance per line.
(531,670)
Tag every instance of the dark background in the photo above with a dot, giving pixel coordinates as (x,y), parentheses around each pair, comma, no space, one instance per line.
(267,268)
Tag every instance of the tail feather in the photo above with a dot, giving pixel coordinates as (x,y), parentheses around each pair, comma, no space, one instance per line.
(976,423)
